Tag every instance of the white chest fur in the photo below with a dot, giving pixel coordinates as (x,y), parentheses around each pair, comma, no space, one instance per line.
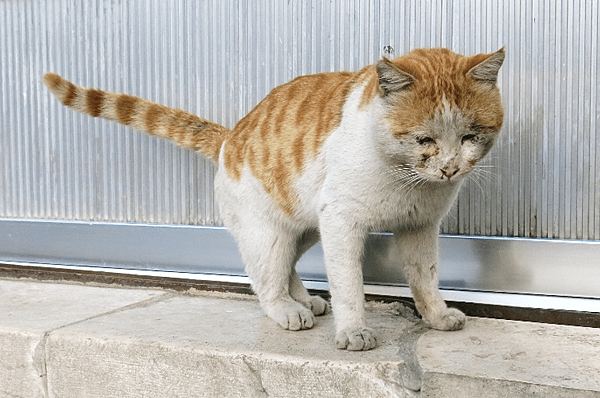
(349,175)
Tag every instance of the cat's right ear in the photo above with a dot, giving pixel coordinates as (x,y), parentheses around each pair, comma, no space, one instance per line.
(484,68)
(391,78)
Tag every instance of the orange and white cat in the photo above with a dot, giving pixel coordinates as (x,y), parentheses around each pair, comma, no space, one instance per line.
(333,156)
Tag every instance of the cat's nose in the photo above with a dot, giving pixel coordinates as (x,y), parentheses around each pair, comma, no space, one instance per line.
(449,172)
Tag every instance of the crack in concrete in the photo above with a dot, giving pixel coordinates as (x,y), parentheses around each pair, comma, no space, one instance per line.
(39,361)
(139,304)
(257,377)
(40,356)
(412,376)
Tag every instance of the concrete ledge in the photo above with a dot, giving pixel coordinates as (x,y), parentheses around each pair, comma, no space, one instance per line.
(60,340)
(511,359)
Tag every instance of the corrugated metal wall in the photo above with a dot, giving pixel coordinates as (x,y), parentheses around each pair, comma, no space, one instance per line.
(219,58)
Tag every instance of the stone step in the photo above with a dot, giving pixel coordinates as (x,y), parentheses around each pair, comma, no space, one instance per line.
(67,340)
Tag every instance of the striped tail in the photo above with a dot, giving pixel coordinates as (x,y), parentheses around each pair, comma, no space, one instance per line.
(185,129)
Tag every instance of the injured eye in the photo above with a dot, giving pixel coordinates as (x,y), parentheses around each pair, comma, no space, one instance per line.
(468,137)
(425,140)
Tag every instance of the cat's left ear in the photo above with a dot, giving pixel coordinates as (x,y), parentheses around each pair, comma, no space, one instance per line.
(485,67)
(391,78)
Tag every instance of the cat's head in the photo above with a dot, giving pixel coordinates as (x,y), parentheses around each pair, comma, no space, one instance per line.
(442,111)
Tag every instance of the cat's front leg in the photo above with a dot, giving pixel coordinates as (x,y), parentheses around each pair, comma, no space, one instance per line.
(343,246)
(419,254)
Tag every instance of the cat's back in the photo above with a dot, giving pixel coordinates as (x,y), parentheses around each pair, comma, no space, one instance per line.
(290,121)
(286,129)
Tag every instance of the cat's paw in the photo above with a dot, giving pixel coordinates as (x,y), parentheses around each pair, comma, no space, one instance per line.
(319,306)
(449,319)
(356,340)
(292,316)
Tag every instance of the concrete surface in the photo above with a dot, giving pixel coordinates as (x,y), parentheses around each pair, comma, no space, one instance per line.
(511,359)
(29,312)
(61,340)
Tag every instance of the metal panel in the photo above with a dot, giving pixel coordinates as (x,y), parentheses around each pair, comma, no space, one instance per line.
(218,58)
(508,265)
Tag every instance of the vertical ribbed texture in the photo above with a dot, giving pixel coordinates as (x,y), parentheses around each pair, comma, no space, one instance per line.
(219,58)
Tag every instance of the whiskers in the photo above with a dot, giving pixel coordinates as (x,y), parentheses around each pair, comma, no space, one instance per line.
(404,178)
(481,175)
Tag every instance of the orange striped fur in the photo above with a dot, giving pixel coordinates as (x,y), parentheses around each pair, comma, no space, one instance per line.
(441,74)
(285,129)
(181,127)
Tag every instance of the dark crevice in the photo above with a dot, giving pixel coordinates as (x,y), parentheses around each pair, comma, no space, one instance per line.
(412,376)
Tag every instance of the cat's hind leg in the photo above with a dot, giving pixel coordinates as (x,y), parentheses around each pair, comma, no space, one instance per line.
(316,304)
(269,254)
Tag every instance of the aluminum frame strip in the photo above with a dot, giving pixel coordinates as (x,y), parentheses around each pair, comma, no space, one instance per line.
(575,304)
(468,264)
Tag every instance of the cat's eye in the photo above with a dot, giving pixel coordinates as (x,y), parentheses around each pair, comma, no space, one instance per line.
(468,137)
(478,128)
(425,140)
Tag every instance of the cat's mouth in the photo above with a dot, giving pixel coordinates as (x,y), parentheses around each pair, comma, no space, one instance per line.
(443,175)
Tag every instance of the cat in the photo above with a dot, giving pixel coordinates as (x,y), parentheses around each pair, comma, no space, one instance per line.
(333,156)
